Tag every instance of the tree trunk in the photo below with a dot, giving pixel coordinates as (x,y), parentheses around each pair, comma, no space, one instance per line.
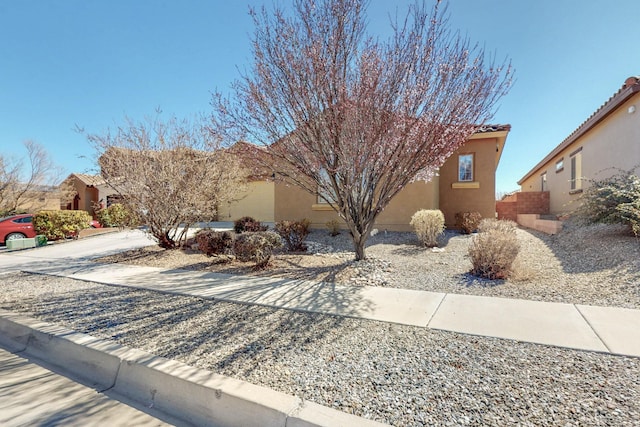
(359,236)
(358,245)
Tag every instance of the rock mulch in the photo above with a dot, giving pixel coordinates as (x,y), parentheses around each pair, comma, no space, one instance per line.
(596,265)
(401,375)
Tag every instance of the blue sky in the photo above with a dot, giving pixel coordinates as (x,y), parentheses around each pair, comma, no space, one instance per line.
(89,63)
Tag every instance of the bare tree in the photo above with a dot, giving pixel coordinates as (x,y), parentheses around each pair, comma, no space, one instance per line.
(171,174)
(25,182)
(353,119)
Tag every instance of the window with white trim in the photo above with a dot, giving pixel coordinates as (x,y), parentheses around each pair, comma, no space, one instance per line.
(465,168)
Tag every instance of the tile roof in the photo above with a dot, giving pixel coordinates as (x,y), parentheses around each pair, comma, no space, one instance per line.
(89,180)
(493,128)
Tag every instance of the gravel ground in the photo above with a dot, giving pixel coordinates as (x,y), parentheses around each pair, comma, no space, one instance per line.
(401,375)
(596,265)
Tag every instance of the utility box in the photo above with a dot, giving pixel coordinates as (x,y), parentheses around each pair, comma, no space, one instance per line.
(16,244)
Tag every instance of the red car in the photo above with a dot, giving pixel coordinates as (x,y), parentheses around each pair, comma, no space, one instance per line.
(16,227)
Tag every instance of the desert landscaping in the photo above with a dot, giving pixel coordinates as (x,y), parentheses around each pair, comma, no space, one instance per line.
(395,374)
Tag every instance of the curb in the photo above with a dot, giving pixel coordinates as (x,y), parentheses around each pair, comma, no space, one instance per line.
(194,395)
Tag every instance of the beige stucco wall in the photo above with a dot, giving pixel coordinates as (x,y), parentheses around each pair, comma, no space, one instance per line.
(614,142)
(257,202)
(293,203)
(478,196)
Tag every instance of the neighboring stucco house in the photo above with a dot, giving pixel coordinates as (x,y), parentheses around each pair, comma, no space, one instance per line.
(605,143)
(465,183)
(90,191)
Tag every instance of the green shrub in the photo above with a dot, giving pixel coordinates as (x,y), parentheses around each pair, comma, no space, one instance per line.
(212,242)
(613,200)
(468,221)
(248,224)
(117,215)
(428,225)
(494,249)
(56,225)
(256,247)
(102,215)
(294,233)
(334,227)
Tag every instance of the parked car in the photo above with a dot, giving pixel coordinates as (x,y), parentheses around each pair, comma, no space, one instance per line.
(16,227)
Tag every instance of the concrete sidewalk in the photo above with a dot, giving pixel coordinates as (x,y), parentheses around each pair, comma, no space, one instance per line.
(603,329)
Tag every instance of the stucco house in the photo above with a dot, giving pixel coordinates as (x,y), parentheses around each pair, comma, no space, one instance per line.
(90,191)
(607,142)
(465,183)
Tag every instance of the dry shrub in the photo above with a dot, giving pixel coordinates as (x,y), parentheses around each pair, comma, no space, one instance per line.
(428,225)
(256,247)
(334,227)
(493,251)
(491,224)
(468,222)
(248,224)
(294,233)
(212,242)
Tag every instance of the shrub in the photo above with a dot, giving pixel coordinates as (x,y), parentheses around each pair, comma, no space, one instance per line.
(212,242)
(294,233)
(248,224)
(491,224)
(256,247)
(493,250)
(334,227)
(116,215)
(613,200)
(428,224)
(468,221)
(56,225)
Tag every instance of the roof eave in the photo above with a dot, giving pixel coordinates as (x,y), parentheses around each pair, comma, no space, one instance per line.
(602,113)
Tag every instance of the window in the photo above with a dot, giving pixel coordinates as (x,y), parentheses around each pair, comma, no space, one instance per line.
(465,167)
(560,165)
(327,196)
(543,182)
(576,170)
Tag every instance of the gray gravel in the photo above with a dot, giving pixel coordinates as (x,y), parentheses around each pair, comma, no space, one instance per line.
(401,375)
(595,265)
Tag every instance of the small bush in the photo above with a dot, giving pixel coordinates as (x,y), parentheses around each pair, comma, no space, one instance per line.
(468,221)
(248,224)
(613,200)
(212,242)
(334,227)
(490,224)
(428,224)
(56,225)
(256,247)
(493,251)
(117,215)
(294,233)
